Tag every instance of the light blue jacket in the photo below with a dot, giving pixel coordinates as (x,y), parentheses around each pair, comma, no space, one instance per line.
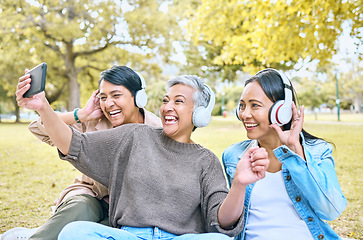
(312,185)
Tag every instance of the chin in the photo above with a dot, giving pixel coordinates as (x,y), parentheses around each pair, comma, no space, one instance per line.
(116,123)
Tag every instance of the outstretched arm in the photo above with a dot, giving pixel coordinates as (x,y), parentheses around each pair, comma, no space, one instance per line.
(58,131)
(250,169)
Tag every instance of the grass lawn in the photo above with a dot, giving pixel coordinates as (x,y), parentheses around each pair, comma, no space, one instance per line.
(32,176)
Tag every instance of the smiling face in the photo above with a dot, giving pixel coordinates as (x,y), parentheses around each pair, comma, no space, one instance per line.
(254,110)
(177,111)
(117,104)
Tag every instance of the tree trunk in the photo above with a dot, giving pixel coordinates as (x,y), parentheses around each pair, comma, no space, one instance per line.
(17,110)
(73,86)
(74,92)
(358,103)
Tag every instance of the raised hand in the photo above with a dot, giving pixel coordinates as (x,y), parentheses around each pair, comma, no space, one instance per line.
(92,110)
(291,138)
(35,102)
(252,166)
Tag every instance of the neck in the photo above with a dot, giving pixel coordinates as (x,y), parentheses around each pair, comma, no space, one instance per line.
(140,117)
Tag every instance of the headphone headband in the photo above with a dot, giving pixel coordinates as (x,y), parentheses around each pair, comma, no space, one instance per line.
(140,95)
(286,83)
(143,83)
(212,99)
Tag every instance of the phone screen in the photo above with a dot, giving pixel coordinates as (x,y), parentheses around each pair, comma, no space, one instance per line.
(37,75)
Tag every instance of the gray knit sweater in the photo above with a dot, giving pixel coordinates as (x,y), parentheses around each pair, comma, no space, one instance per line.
(152,179)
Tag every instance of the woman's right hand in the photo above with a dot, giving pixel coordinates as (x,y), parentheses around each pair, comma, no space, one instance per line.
(92,110)
(35,102)
(251,167)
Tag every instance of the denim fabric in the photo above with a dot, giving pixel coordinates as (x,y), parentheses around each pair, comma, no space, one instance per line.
(93,231)
(312,185)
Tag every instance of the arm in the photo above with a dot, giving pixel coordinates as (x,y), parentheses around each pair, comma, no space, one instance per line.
(58,131)
(250,169)
(313,173)
(316,178)
(90,112)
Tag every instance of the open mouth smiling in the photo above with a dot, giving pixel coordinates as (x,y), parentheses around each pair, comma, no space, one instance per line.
(251,125)
(114,113)
(170,119)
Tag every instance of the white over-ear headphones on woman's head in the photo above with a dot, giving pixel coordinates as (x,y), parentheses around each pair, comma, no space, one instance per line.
(280,112)
(203,115)
(140,95)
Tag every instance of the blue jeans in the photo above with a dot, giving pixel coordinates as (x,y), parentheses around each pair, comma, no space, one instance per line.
(90,231)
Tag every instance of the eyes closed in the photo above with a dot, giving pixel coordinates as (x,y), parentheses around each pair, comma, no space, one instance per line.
(103,97)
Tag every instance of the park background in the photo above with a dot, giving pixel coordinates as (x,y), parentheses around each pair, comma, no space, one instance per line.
(318,44)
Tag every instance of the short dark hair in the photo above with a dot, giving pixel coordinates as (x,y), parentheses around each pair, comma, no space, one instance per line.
(122,75)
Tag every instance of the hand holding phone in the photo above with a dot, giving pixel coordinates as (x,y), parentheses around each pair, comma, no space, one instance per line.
(37,75)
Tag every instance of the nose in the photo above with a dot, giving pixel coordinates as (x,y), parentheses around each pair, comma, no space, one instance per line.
(109,102)
(167,107)
(245,114)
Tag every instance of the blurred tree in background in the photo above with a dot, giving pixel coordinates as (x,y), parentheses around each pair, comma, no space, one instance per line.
(259,34)
(78,39)
(222,41)
(227,38)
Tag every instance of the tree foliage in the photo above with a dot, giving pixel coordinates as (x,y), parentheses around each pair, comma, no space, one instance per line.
(259,34)
(78,39)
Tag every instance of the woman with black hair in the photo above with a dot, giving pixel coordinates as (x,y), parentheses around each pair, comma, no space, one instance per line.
(300,190)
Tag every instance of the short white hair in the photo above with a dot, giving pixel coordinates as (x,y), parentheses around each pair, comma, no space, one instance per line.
(200,97)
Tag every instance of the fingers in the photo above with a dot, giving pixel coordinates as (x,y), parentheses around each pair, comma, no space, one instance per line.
(94,94)
(296,116)
(23,86)
(302,113)
(259,161)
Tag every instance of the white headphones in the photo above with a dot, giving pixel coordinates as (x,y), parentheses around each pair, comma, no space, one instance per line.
(203,115)
(140,95)
(280,112)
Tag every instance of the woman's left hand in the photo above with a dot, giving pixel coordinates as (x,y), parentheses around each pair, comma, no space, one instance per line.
(291,138)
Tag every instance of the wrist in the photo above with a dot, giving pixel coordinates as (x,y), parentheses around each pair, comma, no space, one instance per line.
(236,183)
(76,115)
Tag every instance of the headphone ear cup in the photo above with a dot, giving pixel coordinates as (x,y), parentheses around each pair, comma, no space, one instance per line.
(236,111)
(140,98)
(284,114)
(273,113)
(201,117)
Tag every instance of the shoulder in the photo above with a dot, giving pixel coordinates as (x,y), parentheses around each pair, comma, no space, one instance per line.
(317,146)
(151,119)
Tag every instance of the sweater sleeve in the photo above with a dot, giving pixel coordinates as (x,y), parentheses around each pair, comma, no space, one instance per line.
(37,128)
(316,178)
(215,191)
(95,153)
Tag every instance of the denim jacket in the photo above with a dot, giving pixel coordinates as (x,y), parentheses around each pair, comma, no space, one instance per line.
(312,185)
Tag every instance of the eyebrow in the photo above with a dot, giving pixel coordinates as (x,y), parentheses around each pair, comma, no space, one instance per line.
(252,100)
(179,95)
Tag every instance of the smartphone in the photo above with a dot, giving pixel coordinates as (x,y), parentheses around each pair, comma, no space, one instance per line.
(38,75)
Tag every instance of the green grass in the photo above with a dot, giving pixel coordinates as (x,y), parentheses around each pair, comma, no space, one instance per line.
(32,175)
